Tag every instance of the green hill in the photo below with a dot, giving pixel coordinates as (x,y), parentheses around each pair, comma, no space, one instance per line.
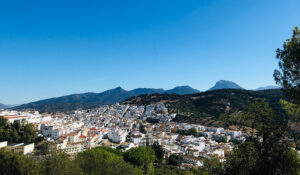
(210,105)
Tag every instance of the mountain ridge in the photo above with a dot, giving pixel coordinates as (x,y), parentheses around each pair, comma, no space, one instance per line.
(267,87)
(3,106)
(91,99)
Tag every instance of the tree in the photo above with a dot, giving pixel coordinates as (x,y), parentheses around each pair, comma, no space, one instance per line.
(163,169)
(243,160)
(267,150)
(213,165)
(159,151)
(18,132)
(11,163)
(175,160)
(98,161)
(44,148)
(29,133)
(59,163)
(289,64)
(291,109)
(142,128)
(193,132)
(142,157)
(3,122)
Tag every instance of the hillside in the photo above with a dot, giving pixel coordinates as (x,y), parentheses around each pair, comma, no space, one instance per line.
(210,104)
(92,100)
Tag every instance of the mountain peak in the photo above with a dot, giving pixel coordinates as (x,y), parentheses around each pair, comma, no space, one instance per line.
(183,90)
(225,84)
(224,81)
(184,86)
(119,88)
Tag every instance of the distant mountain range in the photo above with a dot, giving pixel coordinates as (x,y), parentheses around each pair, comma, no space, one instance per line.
(91,100)
(225,84)
(3,106)
(267,87)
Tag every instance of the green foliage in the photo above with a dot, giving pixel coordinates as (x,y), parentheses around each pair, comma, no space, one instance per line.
(44,148)
(251,158)
(142,157)
(18,132)
(163,169)
(291,109)
(142,129)
(159,151)
(96,161)
(268,124)
(232,119)
(206,107)
(212,165)
(289,64)
(116,152)
(59,163)
(11,163)
(243,160)
(175,160)
(100,162)
(191,131)
(267,150)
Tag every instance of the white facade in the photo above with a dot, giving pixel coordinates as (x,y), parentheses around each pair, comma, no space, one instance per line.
(3,144)
(20,148)
(117,135)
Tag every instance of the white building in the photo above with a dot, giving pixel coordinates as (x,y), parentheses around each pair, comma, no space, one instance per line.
(3,144)
(20,148)
(117,135)
(13,118)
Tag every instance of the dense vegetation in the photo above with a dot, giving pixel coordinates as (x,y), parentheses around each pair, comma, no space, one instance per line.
(97,161)
(289,64)
(18,132)
(207,107)
(191,131)
(213,103)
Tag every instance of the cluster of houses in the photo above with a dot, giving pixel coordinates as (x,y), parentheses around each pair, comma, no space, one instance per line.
(120,126)
(27,116)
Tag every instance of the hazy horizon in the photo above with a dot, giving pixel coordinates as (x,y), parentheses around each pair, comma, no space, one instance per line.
(16,104)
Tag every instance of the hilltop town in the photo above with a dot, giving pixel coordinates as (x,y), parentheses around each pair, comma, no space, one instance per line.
(127,126)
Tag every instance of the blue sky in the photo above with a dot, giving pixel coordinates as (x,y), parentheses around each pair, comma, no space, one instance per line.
(54,48)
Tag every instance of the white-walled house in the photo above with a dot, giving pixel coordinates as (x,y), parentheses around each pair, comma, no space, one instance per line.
(20,148)
(117,135)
